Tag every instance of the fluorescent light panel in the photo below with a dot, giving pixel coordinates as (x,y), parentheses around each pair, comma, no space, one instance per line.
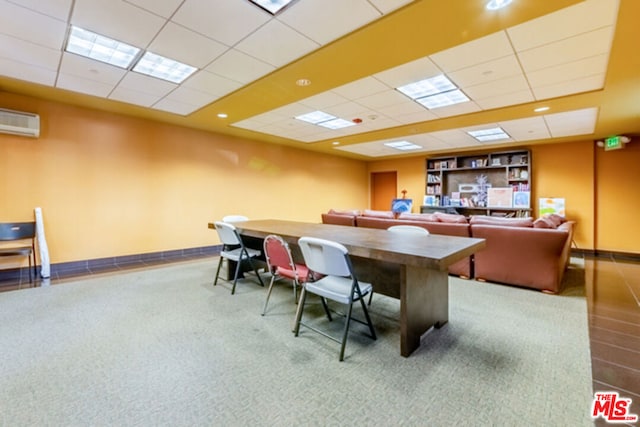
(323,119)
(430,86)
(434,92)
(336,124)
(315,117)
(163,68)
(443,99)
(492,134)
(101,48)
(402,145)
(272,6)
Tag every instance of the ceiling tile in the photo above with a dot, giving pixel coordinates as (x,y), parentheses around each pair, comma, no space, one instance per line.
(581,18)
(382,99)
(134,97)
(27,25)
(239,66)
(472,53)
(118,20)
(82,85)
(569,71)
(577,122)
(386,6)
(28,53)
(456,109)
(211,83)
(175,107)
(26,72)
(194,97)
(58,9)
(513,98)
(361,88)
(455,137)
(486,72)
(568,50)
(310,17)
(528,129)
(350,109)
(164,8)
(584,84)
(419,116)
(503,86)
(410,72)
(146,84)
(323,100)
(225,21)
(185,46)
(276,44)
(91,70)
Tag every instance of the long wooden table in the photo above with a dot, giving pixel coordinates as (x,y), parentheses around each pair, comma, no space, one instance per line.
(411,268)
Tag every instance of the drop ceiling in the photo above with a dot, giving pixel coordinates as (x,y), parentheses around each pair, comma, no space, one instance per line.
(577,58)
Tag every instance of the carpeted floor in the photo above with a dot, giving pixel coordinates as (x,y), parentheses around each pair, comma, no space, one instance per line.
(162,346)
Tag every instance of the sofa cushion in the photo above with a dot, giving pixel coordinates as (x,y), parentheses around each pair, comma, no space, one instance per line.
(418,217)
(543,222)
(555,219)
(445,217)
(506,222)
(378,214)
(352,212)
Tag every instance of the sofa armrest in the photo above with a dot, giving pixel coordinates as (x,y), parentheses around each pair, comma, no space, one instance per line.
(530,257)
(328,218)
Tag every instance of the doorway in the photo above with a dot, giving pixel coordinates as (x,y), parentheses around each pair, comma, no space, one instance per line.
(384,187)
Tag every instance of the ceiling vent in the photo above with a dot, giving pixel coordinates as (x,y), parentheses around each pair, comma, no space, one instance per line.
(18,123)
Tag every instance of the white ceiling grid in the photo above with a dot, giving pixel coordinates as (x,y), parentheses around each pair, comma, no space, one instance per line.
(555,55)
(234,43)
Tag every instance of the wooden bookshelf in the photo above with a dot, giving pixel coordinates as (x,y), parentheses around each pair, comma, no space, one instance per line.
(454,183)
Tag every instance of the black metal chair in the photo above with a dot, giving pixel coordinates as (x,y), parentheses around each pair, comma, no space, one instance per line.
(15,235)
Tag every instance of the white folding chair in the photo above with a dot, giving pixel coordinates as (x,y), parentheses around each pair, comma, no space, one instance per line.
(338,284)
(233,249)
(408,229)
(235,218)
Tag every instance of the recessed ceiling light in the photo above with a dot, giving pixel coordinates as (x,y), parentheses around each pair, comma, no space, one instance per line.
(336,142)
(402,145)
(272,6)
(492,134)
(163,68)
(497,4)
(540,109)
(222,115)
(303,82)
(101,48)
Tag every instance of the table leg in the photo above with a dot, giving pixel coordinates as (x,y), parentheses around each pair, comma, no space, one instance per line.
(424,302)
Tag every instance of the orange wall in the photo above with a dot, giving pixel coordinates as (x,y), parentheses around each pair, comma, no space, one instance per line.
(618,198)
(567,171)
(111,185)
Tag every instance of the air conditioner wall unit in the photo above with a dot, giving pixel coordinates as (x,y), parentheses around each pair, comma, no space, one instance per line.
(19,123)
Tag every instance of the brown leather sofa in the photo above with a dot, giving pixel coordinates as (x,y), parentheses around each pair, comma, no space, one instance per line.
(522,253)
(519,251)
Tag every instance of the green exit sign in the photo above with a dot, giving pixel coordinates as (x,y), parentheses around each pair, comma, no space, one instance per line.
(612,143)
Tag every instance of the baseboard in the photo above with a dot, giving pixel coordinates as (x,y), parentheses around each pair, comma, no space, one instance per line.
(610,255)
(73,267)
